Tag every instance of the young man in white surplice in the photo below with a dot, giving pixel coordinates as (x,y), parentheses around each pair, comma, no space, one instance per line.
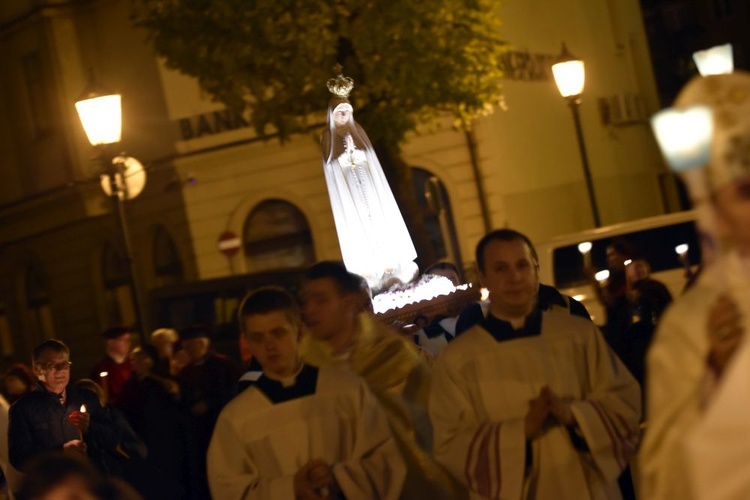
(299,431)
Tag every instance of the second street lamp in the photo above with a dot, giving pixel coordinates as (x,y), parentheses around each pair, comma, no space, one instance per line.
(100,113)
(570,76)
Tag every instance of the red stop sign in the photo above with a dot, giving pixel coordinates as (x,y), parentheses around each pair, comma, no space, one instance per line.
(229,243)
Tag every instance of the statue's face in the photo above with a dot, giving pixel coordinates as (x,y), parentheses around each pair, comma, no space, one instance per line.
(341,117)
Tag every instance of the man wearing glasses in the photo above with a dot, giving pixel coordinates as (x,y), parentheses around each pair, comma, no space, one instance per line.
(57,415)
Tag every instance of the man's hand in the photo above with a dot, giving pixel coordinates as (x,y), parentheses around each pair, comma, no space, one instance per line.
(725,331)
(539,409)
(560,409)
(314,481)
(75,447)
(80,420)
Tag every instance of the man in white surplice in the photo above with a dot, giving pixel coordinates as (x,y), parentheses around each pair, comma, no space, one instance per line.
(531,403)
(299,432)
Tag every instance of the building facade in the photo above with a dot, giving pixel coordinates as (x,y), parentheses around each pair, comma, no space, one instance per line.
(62,272)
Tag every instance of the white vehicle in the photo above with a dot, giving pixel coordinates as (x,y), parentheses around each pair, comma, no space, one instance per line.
(656,238)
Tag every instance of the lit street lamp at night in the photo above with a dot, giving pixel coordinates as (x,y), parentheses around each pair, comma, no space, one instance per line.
(100,113)
(715,61)
(570,76)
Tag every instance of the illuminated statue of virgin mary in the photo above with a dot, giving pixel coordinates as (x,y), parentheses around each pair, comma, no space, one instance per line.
(372,235)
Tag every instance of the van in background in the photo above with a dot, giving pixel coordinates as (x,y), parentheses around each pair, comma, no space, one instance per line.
(654,238)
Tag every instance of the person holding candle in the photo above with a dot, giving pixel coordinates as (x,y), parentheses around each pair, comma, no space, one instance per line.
(57,415)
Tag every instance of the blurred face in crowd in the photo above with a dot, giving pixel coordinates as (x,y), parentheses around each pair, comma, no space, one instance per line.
(142,362)
(326,310)
(196,349)
(72,487)
(732,203)
(53,370)
(15,387)
(163,345)
(120,346)
(615,260)
(511,276)
(272,340)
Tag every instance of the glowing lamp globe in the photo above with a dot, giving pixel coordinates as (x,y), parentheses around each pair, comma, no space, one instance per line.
(684,136)
(100,113)
(717,60)
(569,73)
(602,276)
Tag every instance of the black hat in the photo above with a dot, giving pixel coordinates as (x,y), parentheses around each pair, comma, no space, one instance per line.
(116,332)
(195,332)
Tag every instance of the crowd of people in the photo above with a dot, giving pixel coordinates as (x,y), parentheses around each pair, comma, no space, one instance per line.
(521,396)
(525,397)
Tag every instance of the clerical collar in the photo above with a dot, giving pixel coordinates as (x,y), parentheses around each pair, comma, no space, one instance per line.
(287,381)
(502,330)
(305,382)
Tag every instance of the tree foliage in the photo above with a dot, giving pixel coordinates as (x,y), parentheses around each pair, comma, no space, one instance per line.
(411,60)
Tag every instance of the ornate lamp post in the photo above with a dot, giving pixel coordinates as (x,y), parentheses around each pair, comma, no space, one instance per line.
(100,113)
(570,76)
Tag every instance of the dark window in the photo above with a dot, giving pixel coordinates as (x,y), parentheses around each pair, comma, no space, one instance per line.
(118,303)
(436,213)
(277,236)
(39,94)
(37,303)
(167,263)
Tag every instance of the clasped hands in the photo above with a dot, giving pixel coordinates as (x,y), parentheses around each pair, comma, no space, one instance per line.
(725,332)
(545,406)
(315,481)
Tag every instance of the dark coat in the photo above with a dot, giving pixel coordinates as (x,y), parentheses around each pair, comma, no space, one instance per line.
(39,423)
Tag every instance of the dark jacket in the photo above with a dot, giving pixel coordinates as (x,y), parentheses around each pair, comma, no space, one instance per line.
(39,423)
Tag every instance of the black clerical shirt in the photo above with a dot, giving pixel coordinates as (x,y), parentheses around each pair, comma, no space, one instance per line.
(304,385)
(502,330)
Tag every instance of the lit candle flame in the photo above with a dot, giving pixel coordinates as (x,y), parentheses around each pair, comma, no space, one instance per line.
(103,374)
(585,247)
(602,276)
(628,262)
(83,408)
(681,249)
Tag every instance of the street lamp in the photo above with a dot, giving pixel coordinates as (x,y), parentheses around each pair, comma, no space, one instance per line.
(717,60)
(570,76)
(100,113)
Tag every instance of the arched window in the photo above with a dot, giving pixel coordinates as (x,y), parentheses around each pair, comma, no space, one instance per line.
(437,215)
(167,264)
(37,303)
(277,236)
(118,303)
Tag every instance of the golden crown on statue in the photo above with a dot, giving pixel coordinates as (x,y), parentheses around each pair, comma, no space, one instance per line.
(341,85)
